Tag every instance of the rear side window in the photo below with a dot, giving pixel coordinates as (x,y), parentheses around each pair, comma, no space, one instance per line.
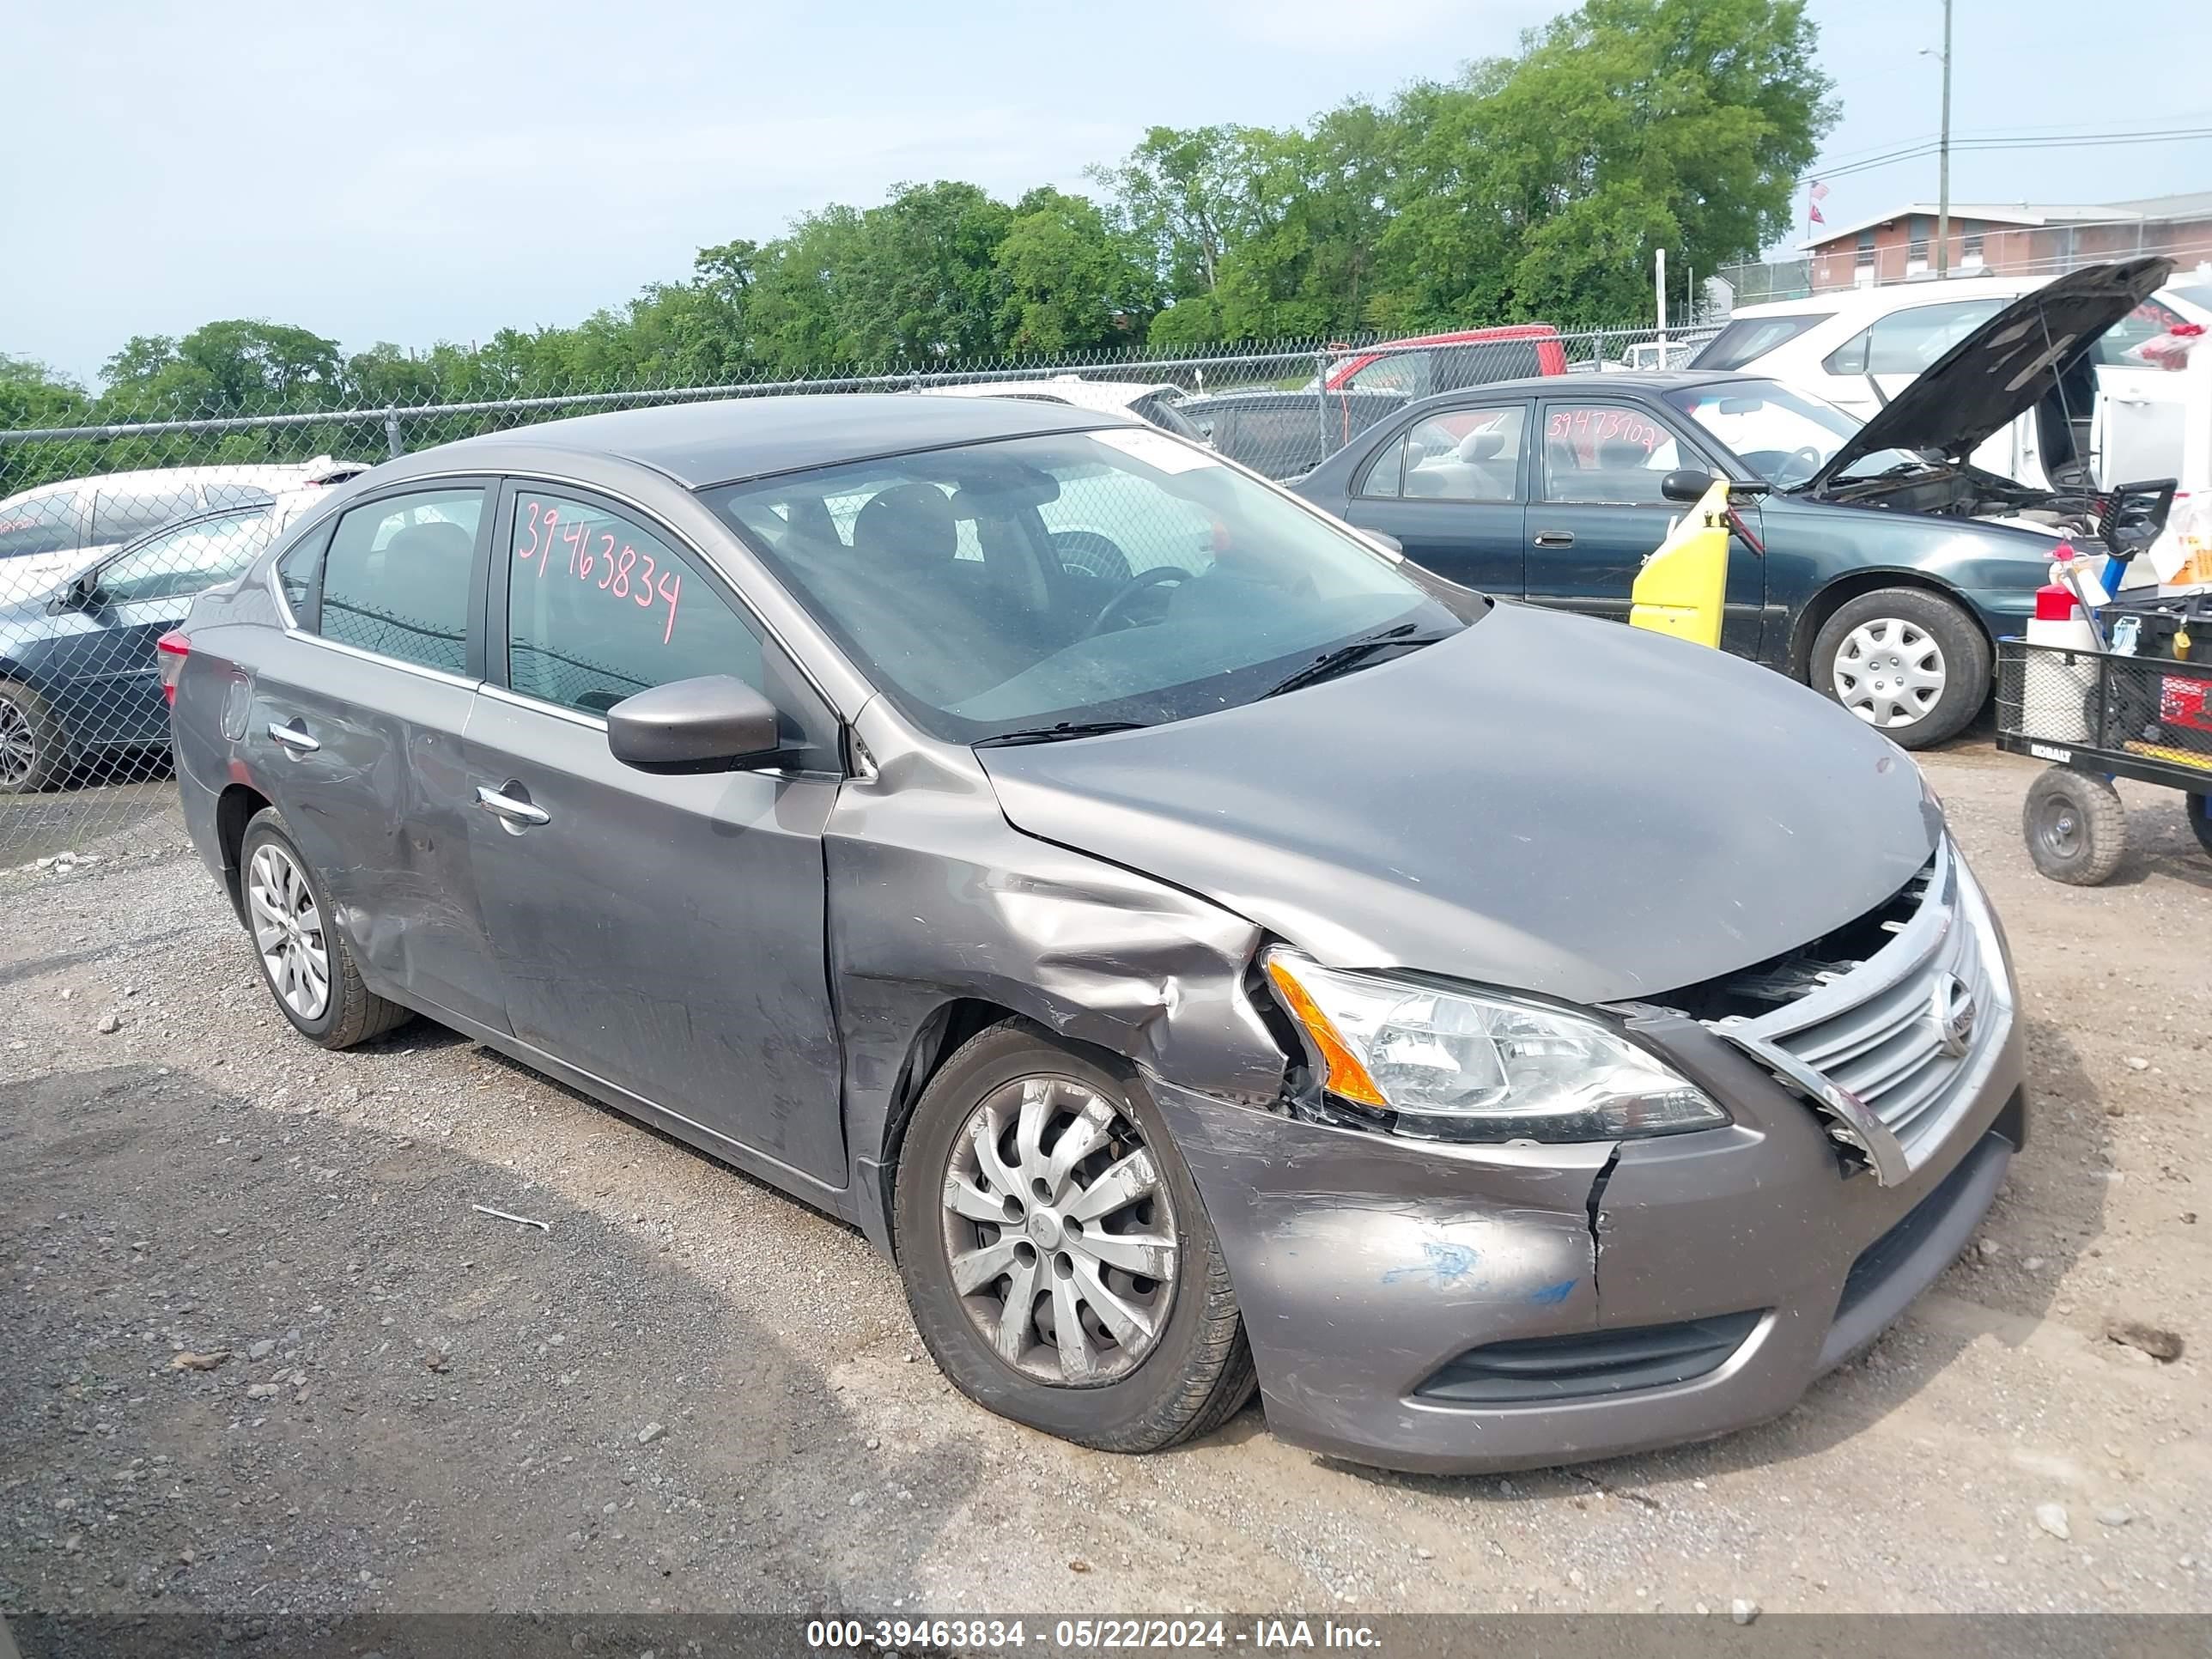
(396,580)
(119,515)
(1748,339)
(599,608)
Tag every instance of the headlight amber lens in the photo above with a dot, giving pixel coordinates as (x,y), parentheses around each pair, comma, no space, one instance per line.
(1461,1065)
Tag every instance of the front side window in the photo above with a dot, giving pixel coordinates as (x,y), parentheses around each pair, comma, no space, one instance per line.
(189,559)
(1606,453)
(397,578)
(1908,341)
(1230,585)
(41,527)
(123,515)
(600,608)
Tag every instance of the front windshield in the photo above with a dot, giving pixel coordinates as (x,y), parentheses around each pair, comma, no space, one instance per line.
(1783,435)
(1098,577)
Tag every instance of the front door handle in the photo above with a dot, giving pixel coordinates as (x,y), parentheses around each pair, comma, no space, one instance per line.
(1555,538)
(293,738)
(504,805)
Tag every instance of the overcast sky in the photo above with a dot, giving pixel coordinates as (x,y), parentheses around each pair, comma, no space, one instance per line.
(418,170)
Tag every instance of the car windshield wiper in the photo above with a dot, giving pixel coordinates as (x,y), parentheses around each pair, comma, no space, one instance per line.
(1330,664)
(1056,733)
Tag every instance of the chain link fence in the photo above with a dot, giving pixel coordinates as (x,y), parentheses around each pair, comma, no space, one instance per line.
(108,532)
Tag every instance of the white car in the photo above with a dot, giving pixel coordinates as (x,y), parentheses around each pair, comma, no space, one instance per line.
(1148,400)
(50,532)
(1859,348)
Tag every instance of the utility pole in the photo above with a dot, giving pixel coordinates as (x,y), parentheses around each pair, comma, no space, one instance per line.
(1943,161)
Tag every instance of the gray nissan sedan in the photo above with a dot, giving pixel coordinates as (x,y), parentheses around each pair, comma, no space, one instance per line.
(1202,947)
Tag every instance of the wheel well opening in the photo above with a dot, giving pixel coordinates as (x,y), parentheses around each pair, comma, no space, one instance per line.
(233,809)
(943,1032)
(1841,591)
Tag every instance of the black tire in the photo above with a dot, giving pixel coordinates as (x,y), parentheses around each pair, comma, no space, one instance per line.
(25,720)
(1926,619)
(2198,809)
(1198,1370)
(352,1012)
(2075,827)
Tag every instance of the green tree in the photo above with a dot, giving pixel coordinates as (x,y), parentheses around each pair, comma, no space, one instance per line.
(1542,184)
(1184,191)
(1070,281)
(32,395)
(237,367)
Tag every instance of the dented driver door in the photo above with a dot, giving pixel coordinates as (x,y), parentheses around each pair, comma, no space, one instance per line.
(662,932)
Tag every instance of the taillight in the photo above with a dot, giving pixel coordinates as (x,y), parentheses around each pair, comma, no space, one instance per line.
(169,653)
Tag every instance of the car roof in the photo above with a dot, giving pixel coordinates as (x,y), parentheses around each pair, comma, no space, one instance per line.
(1499,332)
(731,438)
(1896,296)
(1579,387)
(1062,389)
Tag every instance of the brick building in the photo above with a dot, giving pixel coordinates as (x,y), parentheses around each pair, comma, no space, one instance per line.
(2018,239)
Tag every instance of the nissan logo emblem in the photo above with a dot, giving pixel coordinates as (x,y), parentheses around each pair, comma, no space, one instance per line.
(1954,1014)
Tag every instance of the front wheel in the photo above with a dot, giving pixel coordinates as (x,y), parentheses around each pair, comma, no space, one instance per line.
(1056,1257)
(1909,663)
(2076,828)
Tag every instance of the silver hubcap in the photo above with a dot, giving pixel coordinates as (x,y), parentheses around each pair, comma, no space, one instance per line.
(287,931)
(1060,1233)
(1889,672)
(19,746)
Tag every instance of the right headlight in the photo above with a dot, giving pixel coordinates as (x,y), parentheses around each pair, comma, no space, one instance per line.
(1463,1066)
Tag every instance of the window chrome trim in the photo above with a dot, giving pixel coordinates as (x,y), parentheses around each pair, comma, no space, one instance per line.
(536,705)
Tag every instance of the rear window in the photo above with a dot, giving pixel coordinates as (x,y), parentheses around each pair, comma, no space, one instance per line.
(1748,339)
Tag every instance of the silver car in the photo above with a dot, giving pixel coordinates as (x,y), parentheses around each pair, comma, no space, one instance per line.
(1508,1037)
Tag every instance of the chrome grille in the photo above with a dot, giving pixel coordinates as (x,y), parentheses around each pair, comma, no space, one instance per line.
(1876,1028)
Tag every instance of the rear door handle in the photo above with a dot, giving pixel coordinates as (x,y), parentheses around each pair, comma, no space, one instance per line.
(1555,538)
(293,738)
(506,806)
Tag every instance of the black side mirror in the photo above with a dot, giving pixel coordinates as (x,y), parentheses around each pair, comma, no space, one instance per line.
(708,724)
(80,592)
(1686,484)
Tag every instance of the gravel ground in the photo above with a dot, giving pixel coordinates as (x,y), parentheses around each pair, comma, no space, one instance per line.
(692,1394)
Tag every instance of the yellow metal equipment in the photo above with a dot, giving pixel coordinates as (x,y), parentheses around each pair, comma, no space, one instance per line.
(1681,586)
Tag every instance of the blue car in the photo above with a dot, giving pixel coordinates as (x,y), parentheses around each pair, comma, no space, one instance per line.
(78,684)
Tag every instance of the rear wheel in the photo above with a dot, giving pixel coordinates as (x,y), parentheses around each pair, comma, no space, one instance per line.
(2076,829)
(1056,1257)
(2199,809)
(1909,663)
(31,751)
(305,960)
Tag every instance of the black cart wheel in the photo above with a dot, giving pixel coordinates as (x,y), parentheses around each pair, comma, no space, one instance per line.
(2199,809)
(2076,829)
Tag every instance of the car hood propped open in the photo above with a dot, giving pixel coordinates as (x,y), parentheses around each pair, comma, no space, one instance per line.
(1541,802)
(2003,370)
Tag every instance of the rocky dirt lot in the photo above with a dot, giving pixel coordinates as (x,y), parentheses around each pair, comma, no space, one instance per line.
(260,1354)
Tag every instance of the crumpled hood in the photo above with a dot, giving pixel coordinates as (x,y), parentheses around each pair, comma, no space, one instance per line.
(2003,369)
(1542,802)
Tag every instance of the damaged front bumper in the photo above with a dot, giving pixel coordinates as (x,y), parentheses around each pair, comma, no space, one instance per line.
(1446,1307)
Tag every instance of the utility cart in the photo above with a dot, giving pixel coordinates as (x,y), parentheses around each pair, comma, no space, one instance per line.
(2097,715)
